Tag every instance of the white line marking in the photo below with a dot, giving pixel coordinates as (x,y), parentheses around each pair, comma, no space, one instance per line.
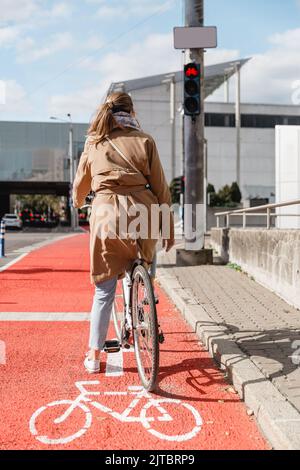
(114,364)
(2,353)
(14,261)
(44,316)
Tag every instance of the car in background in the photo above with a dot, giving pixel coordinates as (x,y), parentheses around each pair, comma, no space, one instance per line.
(12,221)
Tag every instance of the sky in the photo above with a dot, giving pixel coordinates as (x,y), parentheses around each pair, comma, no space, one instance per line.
(60,56)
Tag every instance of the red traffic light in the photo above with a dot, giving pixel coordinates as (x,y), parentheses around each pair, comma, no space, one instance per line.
(191,71)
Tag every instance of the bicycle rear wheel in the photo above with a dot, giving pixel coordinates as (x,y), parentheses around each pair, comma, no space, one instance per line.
(118,311)
(145,328)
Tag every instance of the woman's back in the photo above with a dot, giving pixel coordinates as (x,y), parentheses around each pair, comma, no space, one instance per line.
(122,166)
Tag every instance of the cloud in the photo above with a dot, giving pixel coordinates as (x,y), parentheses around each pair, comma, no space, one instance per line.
(128,8)
(221,55)
(289,39)
(8,35)
(18,10)
(270,77)
(94,42)
(13,100)
(61,10)
(29,51)
(153,56)
(81,104)
(32,14)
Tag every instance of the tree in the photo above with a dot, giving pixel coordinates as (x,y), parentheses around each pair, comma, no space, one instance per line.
(228,196)
(236,195)
(40,202)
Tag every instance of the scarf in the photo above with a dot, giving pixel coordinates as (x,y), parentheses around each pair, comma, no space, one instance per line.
(126,120)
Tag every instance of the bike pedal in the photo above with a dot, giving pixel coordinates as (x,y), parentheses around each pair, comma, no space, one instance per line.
(161,337)
(112,346)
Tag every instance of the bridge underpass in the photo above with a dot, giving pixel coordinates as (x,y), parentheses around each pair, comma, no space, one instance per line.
(7,188)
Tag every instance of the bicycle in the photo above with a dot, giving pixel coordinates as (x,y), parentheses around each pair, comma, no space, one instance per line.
(139,318)
(83,401)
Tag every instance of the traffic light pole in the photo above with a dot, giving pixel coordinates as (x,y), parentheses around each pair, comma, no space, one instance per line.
(194,143)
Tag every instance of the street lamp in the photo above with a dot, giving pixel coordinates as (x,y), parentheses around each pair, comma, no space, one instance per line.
(170,80)
(236,67)
(73,211)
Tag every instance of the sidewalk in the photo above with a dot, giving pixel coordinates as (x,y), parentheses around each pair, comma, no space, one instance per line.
(252,333)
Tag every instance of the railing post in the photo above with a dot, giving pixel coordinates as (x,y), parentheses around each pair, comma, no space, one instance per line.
(2,239)
(244,219)
(218,221)
(268,219)
(227,220)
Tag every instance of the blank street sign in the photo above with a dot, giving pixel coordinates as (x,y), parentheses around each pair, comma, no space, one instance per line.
(195,37)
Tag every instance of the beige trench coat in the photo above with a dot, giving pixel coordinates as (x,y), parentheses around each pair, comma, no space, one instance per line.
(119,186)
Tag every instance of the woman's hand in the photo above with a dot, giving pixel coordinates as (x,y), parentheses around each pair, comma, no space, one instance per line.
(168,244)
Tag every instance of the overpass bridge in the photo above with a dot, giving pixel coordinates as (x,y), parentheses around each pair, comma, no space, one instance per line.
(7,188)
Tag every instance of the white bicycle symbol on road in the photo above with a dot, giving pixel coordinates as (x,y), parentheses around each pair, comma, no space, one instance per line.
(138,394)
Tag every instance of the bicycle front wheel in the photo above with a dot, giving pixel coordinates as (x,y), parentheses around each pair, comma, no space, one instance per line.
(145,328)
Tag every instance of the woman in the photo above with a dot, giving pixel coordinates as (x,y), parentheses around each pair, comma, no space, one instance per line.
(120,163)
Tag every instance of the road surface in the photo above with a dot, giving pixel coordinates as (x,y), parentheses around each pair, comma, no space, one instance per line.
(48,401)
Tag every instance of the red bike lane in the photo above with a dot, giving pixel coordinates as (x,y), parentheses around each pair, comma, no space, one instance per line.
(48,401)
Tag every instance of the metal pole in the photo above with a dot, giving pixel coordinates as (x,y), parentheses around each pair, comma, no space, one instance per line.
(205,184)
(71,160)
(182,173)
(226,89)
(268,219)
(194,138)
(173,125)
(238,123)
(2,239)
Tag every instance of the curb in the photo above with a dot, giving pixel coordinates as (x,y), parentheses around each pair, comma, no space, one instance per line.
(277,418)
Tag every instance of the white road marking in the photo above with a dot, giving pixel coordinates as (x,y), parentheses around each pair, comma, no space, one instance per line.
(14,261)
(145,416)
(2,353)
(44,316)
(114,363)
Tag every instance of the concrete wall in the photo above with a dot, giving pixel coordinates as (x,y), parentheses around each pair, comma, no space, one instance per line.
(219,241)
(272,257)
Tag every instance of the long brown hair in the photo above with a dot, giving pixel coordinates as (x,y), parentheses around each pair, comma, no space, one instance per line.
(104,122)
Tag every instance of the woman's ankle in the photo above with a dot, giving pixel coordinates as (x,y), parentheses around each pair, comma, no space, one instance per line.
(94,354)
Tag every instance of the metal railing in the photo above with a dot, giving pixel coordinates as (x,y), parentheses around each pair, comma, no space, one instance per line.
(250,211)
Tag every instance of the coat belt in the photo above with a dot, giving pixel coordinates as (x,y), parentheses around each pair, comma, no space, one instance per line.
(123,190)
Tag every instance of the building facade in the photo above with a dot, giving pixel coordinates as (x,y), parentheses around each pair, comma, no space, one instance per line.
(37,151)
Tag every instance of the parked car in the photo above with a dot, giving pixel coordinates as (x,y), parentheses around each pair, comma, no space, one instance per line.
(12,221)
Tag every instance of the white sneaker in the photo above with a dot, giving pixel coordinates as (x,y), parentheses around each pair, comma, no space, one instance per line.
(92,366)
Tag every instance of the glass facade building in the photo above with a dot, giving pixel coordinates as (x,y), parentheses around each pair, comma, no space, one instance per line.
(38,151)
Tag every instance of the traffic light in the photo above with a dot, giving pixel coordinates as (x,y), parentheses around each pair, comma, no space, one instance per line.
(177,188)
(192,90)
(179,185)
